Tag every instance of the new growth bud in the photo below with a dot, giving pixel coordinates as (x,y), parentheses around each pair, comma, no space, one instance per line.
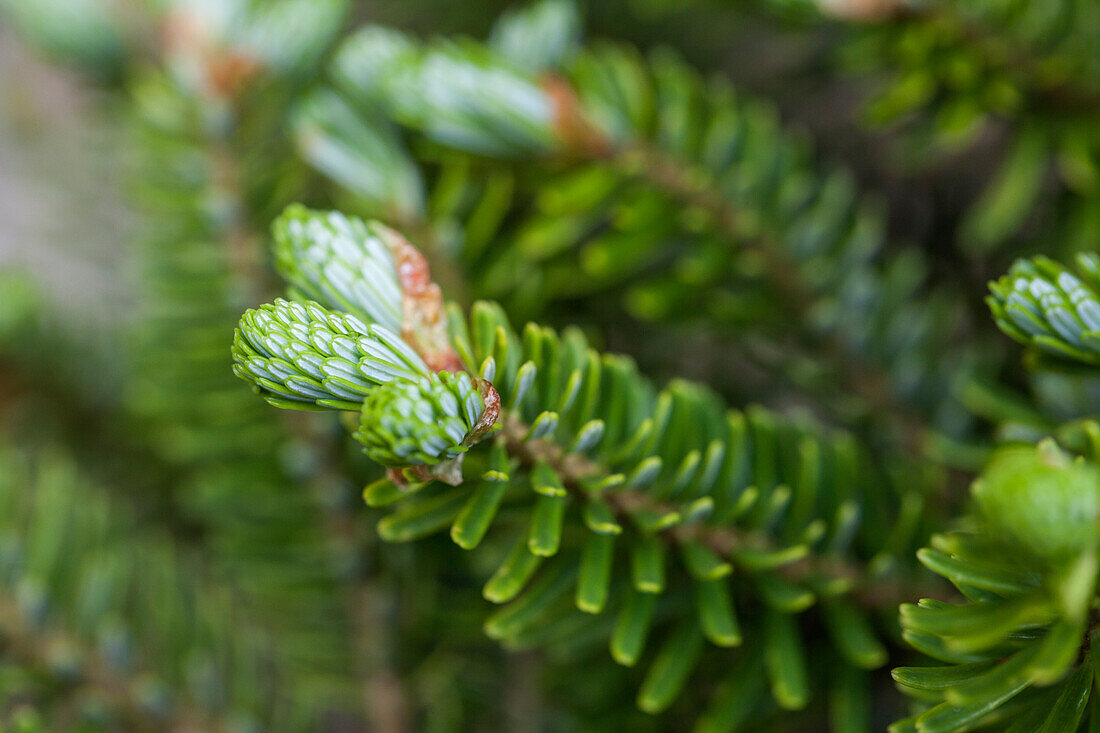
(1042,497)
(424,422)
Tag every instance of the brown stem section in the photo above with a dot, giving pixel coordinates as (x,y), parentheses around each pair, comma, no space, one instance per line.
(689,187)
(580,136)
(225,70)
(424,322)
(869,384)
(385,702)
(573,469)
(522,700)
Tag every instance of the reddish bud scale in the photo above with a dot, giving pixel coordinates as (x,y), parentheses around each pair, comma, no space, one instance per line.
(424,328)
(225,70)
(490,416)
(424,320)
(569,122)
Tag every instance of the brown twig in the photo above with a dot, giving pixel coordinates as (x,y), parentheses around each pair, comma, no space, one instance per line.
(864,381)
(696,190)
(574,469)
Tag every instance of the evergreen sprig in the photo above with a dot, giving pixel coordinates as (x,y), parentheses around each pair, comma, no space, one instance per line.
(341,262)
(592,467)
(680,196)
(457,93)
(946,74)
(958,68)
(540,36)
(736,549)
(81,580)
(424,422)
(303,356)
(1020,652)
(198,136)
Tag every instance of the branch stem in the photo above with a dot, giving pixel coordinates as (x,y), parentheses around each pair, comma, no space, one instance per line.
(573,469)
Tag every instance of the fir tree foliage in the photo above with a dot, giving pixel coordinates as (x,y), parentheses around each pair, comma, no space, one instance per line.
(80,581)
(340,262)
(947,75)
(1019,653)
(957,70)
(301,355)
(675,194)
(199,165)
(652,519)
(423,422)
(85,31)
(730,567)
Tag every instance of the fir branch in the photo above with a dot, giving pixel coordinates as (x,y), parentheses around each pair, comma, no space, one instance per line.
(584,430)
(957,72)
(1006,40)
(1020,651)
(858,378)
(1046,53)
(87,625)
(653,126)
(201,262)
(576,470)
(1021,648)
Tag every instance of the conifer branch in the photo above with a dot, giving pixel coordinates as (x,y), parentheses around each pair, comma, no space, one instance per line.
(1007,43)
(656,128)
(202,261)
(73,604)
(1020,652)
(586,434)
(1021,648)
(574,470)
(864,380)
(726,552)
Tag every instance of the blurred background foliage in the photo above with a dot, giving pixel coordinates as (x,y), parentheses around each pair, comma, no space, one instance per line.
(175,556)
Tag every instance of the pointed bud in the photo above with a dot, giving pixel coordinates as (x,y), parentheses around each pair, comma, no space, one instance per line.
(427,421)
(301,356)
